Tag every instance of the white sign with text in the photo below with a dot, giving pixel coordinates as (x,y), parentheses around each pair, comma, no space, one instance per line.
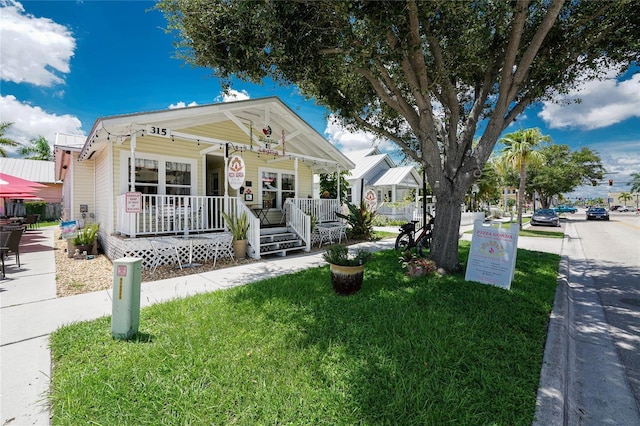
(492,258)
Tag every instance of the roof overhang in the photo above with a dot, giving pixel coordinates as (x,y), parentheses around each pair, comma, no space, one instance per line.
(295,137)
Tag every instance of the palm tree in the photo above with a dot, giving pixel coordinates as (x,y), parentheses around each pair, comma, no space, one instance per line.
(520,151)
(624,197)
(5,141)
(38,149)
(635,182)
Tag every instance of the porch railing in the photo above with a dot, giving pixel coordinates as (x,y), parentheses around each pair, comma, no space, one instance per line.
(324,210)
(299,221)
(253,234)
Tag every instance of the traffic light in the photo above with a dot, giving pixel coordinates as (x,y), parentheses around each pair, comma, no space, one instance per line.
(610,182)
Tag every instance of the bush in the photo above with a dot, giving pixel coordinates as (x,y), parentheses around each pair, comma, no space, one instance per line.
(360,220)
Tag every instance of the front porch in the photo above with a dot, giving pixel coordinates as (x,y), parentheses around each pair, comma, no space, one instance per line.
(192,224)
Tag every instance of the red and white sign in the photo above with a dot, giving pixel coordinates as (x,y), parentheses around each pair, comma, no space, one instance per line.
(133,203)
(236,172)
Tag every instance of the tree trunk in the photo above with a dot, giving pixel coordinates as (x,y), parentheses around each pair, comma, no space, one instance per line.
(521,189)
(444,248)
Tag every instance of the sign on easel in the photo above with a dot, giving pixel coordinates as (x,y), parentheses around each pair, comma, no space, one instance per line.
(492,258)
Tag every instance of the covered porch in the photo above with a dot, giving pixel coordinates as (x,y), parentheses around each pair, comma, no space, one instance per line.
(194,224)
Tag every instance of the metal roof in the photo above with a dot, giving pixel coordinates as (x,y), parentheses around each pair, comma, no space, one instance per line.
(33,170)
(405,176)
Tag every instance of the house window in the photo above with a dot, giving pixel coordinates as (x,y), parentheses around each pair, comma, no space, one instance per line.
(146,176)
(178,178)
(158,176)
(276,187)
(349,195)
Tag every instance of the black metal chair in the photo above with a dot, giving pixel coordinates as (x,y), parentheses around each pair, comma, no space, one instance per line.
(4,248)
(30,221)
(13,243)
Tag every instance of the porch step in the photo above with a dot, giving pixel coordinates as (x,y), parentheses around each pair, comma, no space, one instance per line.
(279,243)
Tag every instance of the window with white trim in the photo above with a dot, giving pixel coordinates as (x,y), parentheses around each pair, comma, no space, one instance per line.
(156,175)
(275,187)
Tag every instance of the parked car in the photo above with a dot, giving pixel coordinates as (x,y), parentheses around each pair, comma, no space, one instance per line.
(624,209)
(595,213)
(614,208)
(545,217)
(565,209)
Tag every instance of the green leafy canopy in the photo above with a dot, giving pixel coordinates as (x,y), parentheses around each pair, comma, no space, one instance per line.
(421,74)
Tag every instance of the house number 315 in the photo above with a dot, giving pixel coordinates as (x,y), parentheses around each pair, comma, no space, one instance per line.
(159,131)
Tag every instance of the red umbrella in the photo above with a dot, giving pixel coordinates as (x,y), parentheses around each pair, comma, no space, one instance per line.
(21,196)
(12,185)
(6,179)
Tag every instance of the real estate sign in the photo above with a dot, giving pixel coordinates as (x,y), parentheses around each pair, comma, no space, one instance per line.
(492,258)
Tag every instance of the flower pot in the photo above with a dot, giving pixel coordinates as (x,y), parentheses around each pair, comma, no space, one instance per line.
(239,249)
(346,280)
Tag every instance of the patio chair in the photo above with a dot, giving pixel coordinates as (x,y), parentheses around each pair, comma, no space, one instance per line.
(30,221)
(166,216)
(4,240)
(13,243)
(165,252)
(221,246)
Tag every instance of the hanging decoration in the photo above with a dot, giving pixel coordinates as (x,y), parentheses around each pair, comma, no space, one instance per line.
(268,142)
(283,138)
(236,172)
(251,135)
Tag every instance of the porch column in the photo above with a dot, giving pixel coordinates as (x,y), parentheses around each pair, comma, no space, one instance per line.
(295,174)
(226,173)
(338,183)
(132,171)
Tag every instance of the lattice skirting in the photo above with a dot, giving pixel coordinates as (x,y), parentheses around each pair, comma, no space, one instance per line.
(116,247)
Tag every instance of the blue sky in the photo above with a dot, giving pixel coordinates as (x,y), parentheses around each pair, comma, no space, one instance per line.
(65,63)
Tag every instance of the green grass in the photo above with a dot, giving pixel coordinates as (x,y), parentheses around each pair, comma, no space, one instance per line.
(410,351)
(529,232)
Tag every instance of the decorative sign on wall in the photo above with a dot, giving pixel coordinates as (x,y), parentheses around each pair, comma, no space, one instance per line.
(370,199)
(492,258)
(133,202)
(236,172)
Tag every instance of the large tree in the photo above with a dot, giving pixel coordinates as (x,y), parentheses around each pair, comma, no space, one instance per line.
(562,171)
(423,74)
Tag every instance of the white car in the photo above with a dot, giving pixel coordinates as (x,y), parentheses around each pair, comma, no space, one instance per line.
(624,209)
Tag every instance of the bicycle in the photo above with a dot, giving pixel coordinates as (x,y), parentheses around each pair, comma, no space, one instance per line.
(407,239)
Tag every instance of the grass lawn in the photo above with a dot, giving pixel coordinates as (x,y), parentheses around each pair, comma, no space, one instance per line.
(409,351)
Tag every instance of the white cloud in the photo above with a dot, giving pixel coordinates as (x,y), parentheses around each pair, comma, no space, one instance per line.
(348,141)
(603,103)
(33,50)
(30,122)
(233,95)
(182,105)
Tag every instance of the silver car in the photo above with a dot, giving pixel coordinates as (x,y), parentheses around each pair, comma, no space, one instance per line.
(545,217)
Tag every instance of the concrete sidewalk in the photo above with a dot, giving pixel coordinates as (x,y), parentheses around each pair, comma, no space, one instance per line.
(30,311)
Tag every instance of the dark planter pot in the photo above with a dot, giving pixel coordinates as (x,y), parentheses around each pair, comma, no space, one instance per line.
(346,280)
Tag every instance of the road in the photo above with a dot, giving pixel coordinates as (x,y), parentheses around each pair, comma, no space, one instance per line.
(612,253)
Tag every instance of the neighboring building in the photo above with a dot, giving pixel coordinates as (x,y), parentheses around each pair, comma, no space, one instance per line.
(185,160)
(36,171)
(378,172)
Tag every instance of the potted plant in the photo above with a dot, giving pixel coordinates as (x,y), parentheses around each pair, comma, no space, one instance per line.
(347,270)
(238,226)
(86,239)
